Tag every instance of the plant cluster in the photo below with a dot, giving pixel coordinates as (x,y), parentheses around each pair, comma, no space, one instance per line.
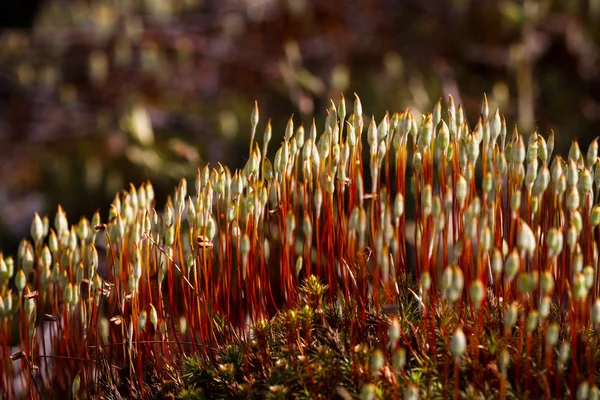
(295,277)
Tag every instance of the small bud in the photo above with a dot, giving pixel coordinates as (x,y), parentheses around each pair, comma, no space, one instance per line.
(458,343)
(245,245)
(443,137)
(573,199)
(532,321)
(511,265)
(8,304)
(37,229)
(583,391)
(554,242)
(477,292)
(487,183)
(595,313)
(497,263)
(20,280)
(368,392)
(588,273)
(572,237)
(426,200)
(153,316)
(461,189)
(515,202)
(525,283)
(75,386)
(531,174)
(342,108)
(485,239)
(547,282)
(417,160)
(518,153)
(580,291)
(586,181)
(425,281)
(564,353)
(542,149)
(595,216)
(511,315)
(411,393)
(552,334)
(504,360)
(142,320)
(399,358)
(526,238)
(394,332)
(68,293)
(594,393)
(557,170)
(458,279)
(544,307)
(550,144)
(377,361)
(399,206)
(447,278)
(574,151)
(572,173)
(541,181)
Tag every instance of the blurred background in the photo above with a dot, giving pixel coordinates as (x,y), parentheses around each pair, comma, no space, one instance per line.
(95,94)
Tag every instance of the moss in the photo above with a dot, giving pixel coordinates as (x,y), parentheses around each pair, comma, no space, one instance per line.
(298,277)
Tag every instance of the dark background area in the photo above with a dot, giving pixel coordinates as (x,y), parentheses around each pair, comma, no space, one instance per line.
(18,14)
(97,94)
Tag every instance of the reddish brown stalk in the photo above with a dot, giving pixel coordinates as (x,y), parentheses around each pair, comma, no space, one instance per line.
(527,361)
(519,352)
(456,394)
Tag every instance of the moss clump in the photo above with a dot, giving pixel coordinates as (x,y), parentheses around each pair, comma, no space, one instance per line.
(297,278)
(310,351)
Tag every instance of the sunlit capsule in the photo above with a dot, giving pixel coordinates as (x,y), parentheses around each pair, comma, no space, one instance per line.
(544,307)
(394,332)
(461,189)
(594,393)
(515,201)
(399,358)
(552,334)
(426,201)
(518,153)
(574,151)
(588,273)
(580,290)
(547,282)
(368,392)
(573,199)
(525,283)
(526,238)
(532,321)
(458,343)
(511,315)
(477,292)
(595,312)
(541,181)
(20,280)
(542,149)
(532,149)
(511,265)
(586,181)
(583,391)
(447,278)
(572,173)
(443,137)
(425,281)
